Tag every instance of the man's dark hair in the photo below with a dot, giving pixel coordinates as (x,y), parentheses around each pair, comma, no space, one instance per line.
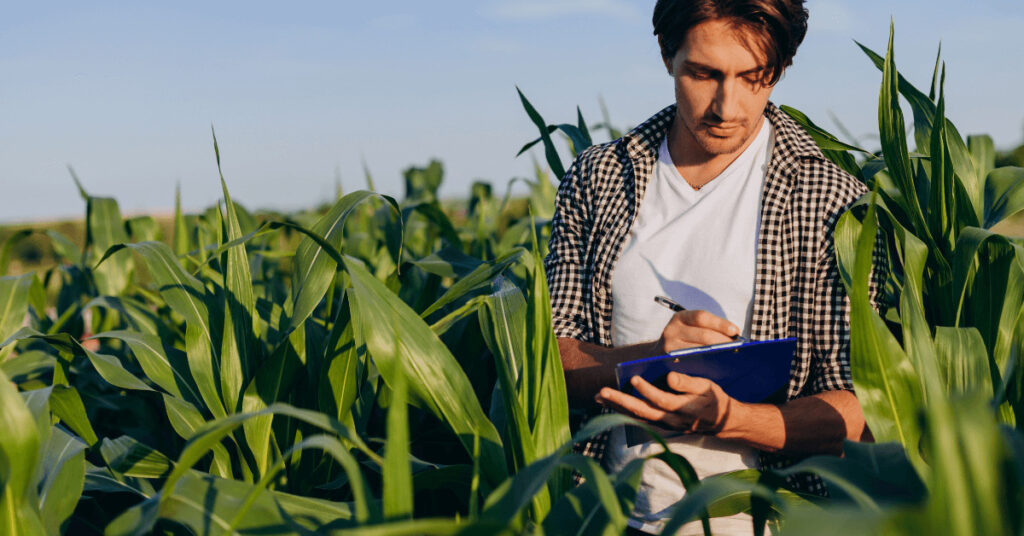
(778,26)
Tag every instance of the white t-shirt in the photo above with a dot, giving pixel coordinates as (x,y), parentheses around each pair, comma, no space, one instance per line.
(697,247)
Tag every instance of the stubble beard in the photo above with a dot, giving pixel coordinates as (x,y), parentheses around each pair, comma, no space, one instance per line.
(717,145)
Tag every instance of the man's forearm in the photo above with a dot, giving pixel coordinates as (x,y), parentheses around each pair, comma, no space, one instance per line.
(589,367)
(815,424)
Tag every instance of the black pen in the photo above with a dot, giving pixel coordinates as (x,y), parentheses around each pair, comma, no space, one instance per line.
(675,306)
(669,302)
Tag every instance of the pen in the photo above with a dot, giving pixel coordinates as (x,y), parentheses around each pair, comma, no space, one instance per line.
(669,302)
(674,305)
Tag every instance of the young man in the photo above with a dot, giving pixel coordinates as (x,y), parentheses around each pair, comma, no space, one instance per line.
(724,204)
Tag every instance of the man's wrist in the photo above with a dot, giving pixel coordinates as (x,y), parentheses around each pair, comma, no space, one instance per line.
(741,421)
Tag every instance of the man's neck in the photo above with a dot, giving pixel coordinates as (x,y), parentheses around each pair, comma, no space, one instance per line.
(695,164)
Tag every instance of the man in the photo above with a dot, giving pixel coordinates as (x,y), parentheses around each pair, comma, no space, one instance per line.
(726,205)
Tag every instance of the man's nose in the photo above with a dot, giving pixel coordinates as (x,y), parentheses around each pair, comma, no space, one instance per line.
(726,104)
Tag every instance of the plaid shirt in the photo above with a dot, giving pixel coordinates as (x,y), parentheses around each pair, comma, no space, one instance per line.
(797,289)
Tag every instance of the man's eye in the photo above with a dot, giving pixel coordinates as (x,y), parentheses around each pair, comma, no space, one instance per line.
(754,79)
(701,75)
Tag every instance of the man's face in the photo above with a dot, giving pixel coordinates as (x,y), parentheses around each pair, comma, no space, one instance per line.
(720,88)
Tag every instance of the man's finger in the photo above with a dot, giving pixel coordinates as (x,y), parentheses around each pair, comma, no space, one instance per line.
(656,397)
(702,336)
(708,320)
(687,384)
(630,404)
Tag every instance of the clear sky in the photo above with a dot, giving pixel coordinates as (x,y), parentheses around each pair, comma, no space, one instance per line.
(301,91)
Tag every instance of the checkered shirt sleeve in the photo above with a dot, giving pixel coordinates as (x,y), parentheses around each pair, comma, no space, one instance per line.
(564,263)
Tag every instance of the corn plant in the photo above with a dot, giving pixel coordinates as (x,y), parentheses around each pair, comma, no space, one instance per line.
(936,370)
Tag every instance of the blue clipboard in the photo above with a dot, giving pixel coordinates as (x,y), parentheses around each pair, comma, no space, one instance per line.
(756,371)
(747,371)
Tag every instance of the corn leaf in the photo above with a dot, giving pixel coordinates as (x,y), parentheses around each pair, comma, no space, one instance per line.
(187,297)
(127,456)
(1004,195)
(482,275)
(963,361)
(314,268)
(62,480)
(503,323)
(105,228)
(164,365)
(66,404)
(549,147)
(13,303)
(108,366)
(396,337)
(884,377)
(397,471)
(271,384)
(186,420)
(924,119)
(19,452)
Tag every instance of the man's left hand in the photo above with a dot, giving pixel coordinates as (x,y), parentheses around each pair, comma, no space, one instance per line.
(698,405)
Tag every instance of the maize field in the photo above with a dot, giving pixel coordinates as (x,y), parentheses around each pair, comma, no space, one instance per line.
(388,367)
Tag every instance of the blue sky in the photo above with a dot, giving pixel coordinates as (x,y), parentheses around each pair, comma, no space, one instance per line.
(299,92)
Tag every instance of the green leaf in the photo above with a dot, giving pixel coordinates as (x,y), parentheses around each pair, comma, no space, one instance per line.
(67,405)
(1004,195)
(584,511)
(28,365)
(544,379)
(207,504)
(105,229)
(239,347)
(62,480)
(983,155)
(917,336)
(824,139)
(884,377)
(143,228)
(924,118)
(186,420)
(711,490)
(63,247)
(396,337)
(870,474)
(181,234)
(942,206)
(127,456)
(19,453)
(343,358)
(108,366)
(449,262)
(139,315)
(432,212)
(963,361)
(164,365)
(272,382)
(503,324)
(187,297)
(13,303)
(314,268)
(894,145)
(482,275)
(549,147)
(5,253)
(397,472)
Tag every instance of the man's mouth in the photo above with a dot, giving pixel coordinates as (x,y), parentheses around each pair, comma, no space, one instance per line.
(723,129)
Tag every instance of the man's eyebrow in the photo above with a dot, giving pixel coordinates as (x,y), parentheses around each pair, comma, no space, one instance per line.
(697,65)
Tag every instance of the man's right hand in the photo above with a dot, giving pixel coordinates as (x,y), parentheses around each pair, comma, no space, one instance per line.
(691,328)
(589,367)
